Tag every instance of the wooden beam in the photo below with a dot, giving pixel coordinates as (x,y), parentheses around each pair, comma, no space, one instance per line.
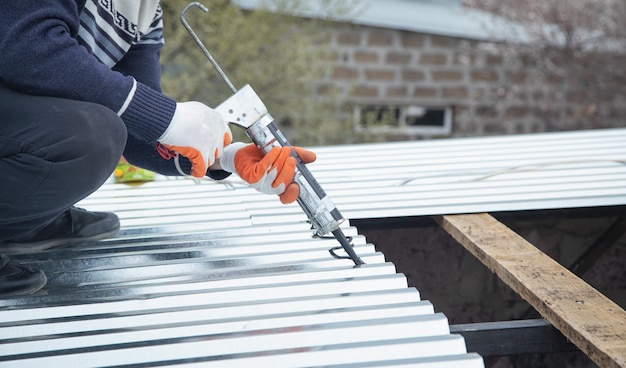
(590,320)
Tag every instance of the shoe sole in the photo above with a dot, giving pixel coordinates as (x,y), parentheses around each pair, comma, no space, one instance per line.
(43,280)
(18,248)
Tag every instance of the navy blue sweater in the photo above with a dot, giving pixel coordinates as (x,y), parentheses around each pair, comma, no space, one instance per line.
(89,50)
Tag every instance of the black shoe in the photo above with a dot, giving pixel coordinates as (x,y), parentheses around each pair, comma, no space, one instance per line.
(73,226)
(17,279)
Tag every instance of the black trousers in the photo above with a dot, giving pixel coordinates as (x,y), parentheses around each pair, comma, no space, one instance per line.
(54,152)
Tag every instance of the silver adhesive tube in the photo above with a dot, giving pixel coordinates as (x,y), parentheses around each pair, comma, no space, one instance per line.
(322,212)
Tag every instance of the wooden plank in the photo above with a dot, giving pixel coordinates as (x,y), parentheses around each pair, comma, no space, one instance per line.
(590,320)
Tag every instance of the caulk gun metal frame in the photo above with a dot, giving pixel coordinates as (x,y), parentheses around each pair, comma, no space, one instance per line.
(245,109)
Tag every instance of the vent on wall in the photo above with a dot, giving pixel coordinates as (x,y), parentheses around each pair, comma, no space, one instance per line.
(408,119)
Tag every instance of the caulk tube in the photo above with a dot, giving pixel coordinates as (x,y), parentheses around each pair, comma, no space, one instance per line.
(318,207)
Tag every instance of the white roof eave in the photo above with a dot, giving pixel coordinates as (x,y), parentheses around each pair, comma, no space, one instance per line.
(444,19)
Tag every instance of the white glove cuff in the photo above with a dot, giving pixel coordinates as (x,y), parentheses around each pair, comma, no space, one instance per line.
(168,133)
(227,159)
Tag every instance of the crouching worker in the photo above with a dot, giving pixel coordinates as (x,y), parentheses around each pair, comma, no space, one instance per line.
(79,88)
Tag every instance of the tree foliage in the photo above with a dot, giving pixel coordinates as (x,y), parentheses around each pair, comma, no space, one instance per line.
(579,43)
(280,56)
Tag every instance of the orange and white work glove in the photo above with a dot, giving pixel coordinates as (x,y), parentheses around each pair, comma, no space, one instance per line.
(199,133)
(271,173)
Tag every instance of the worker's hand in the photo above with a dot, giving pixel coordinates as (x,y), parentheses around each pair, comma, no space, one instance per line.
(199,133)
(271,173)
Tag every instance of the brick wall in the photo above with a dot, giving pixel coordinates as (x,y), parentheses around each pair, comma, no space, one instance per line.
(488,94)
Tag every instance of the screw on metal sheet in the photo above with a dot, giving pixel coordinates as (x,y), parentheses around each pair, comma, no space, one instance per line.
(201,45)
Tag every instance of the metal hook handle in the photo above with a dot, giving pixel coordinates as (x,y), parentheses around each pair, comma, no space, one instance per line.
(201,45)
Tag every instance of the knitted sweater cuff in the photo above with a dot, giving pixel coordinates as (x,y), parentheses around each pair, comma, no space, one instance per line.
(218,174)
(148,114)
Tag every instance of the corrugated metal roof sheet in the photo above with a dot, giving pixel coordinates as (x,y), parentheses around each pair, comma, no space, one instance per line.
(216,274)
(200,276)
(471,175)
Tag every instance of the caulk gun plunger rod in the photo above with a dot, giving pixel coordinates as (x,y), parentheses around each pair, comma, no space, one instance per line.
(201,44)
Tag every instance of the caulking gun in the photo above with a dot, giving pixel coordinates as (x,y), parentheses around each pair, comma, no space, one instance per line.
(245,109)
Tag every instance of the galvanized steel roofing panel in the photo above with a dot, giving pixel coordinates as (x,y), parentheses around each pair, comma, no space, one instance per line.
(215,274)
(470,175)
(198,278)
